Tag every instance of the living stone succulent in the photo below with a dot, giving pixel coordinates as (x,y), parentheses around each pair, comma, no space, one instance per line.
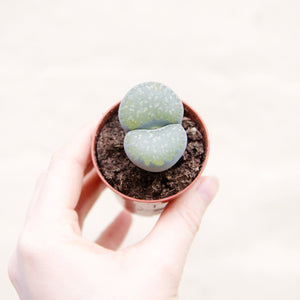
(151,115)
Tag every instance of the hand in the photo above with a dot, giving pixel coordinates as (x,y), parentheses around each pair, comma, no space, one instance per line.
(53,261)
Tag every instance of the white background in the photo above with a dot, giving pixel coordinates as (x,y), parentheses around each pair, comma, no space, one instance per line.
(63,63)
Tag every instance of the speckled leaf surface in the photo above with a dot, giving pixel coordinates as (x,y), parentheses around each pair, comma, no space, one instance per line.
(151,115)
(156,150)
(148,105)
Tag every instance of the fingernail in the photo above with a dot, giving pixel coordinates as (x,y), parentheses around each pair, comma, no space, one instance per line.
(207,188)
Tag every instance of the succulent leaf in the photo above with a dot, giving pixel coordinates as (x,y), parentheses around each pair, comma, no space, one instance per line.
(156,150)
(151,114)
(150,104)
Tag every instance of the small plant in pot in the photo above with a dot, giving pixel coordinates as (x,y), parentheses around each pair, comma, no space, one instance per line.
(150,148)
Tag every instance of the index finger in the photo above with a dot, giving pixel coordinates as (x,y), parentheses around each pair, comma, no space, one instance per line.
(63,183)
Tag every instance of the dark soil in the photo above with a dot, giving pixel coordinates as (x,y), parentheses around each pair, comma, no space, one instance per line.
(130,180)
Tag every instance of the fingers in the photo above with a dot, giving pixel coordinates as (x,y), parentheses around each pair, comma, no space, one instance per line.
(116,232)
(62,186)
(179,223)
(92,188)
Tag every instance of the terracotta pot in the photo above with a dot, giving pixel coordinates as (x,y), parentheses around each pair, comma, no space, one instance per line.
(142,206)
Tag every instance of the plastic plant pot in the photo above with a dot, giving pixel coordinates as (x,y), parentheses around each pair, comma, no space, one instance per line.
(148,207)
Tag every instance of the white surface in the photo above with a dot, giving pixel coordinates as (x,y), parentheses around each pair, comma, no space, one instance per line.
(63,63)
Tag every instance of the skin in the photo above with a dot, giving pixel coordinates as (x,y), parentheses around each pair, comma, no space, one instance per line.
(52,260)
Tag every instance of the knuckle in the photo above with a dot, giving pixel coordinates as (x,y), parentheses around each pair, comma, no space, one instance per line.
(42,174)
(63,156)
(170,269)
(28,246)
(190,218)
(11,269)
(57,156)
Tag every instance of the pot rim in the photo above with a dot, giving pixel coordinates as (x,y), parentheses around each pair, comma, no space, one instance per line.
(104,119)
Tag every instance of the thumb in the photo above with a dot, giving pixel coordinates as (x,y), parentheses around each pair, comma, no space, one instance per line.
(177,226)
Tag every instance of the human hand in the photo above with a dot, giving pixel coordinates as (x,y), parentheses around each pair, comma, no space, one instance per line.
(52,260)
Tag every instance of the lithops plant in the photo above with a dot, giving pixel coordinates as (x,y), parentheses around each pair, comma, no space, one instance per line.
(151,115)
